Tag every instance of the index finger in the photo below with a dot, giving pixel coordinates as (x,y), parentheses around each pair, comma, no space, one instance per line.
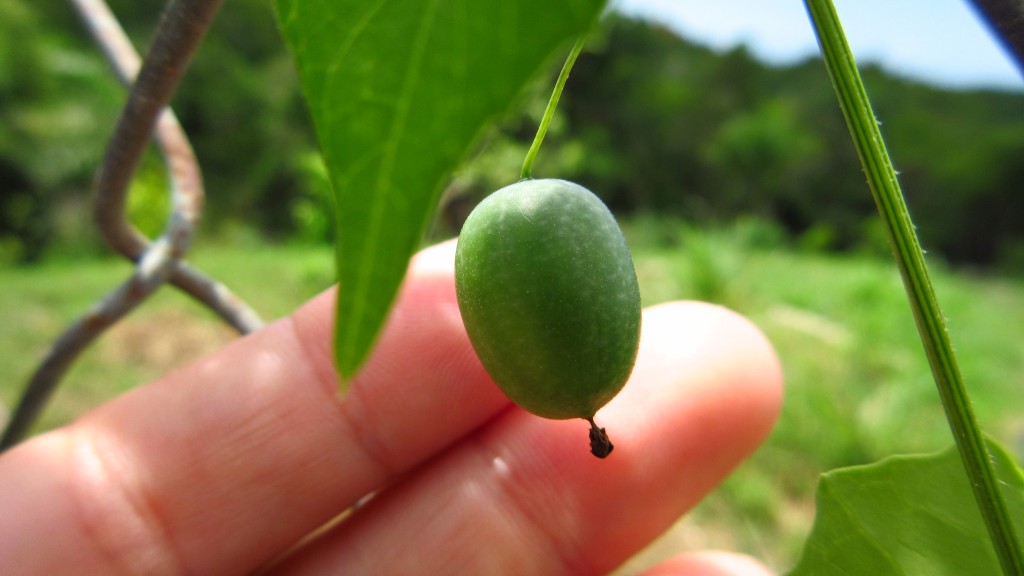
(219,467)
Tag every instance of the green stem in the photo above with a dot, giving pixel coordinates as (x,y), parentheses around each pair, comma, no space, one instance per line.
(549,112)
(910,259)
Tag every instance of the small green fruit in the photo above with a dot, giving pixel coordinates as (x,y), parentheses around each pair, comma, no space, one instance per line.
(550,300)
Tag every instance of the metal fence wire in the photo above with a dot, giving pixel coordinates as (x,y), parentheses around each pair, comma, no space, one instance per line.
(151,83)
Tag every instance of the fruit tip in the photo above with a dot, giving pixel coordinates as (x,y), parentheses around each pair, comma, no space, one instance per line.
(600,445)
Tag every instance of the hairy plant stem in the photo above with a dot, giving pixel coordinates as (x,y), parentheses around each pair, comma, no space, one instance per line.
(549,111)
(930,321)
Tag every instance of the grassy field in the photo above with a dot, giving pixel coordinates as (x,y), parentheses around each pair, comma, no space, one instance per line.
(858,386)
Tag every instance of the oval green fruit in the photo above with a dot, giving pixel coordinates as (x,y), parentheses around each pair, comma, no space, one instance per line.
(549,296)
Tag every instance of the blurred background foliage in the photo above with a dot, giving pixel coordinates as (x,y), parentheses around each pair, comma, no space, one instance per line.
(651,122)
(735,182)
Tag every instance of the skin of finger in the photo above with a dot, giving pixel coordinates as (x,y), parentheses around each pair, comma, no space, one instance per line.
(710,563)
(524,495)
(226,463)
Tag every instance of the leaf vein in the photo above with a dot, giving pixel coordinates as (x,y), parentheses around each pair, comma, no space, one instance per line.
(391,145)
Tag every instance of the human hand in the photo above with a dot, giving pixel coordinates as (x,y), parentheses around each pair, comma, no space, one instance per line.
(225,466)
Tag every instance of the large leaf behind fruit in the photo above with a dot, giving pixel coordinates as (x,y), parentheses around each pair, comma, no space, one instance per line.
(907,515)
(398,91)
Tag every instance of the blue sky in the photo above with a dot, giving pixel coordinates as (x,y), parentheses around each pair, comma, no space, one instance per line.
(942,42)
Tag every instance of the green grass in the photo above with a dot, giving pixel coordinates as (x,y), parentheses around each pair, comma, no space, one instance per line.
(858,385)
(169,330)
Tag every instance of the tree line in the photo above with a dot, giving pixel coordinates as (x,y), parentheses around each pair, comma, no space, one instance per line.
(650,121)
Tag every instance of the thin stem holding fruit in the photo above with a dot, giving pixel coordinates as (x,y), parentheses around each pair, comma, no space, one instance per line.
(549,112)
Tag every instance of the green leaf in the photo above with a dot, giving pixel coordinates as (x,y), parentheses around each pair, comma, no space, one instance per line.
(398,91)
(906,515)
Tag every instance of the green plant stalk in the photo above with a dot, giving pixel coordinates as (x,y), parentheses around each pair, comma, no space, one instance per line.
(549,112)
(903,240)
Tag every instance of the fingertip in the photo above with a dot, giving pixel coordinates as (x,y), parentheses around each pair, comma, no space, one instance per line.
(436,258)
(738,354)
(710,563)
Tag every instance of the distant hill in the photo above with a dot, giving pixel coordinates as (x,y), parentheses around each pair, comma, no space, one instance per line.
(649,120)
(712,136)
